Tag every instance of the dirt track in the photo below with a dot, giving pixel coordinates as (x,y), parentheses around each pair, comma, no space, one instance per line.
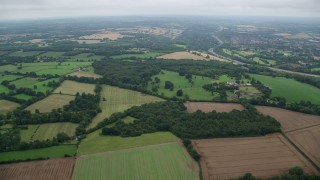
(290,120)
(55,169)
(209,107)
(264,157)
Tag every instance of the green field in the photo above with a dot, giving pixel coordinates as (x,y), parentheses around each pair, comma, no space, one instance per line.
(168,161)
(8,77)
(53,54)
(290,89)
(181,46)
(4,89)
(23,96)
(25,54)
(138,56)
(8,68)
(86,57)
(118,100)
(50,130)
(50,152)
(315,69)
(195,91)
(27,134)
(96,143)
(41,86)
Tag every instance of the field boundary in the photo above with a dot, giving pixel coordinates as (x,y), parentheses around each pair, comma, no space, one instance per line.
(302,128)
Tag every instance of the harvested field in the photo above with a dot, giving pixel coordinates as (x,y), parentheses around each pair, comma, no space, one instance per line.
(54,101)
(264,157)
(50,130)
(72,88)
(307,140)
(6,106)
(181,55)
(49,169)
(209,107)
(290,120)
(85,74)
(100,36)
(165,161)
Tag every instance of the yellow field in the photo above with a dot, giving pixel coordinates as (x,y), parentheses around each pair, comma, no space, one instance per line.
(182,55)
(72,88)
(100,36)
(118,100)
(6,106)
(85,74)
(51,102)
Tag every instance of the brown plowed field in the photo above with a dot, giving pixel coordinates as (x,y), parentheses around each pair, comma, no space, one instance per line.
(181,55)
(209,107)
(308,141)
(264,157)
(38,170)
(290,120)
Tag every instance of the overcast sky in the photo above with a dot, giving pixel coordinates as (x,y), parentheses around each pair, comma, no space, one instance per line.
(16,9)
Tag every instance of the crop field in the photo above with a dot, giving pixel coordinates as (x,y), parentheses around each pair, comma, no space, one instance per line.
(48,169)
(209,107)
(194,91)
(264,157)
(50,130)
(85,74)
(96,143)
(8,77)
(290,89)
(308,141)
(290,120)
(8,68)
(25,54)
(166,161)
(72,88)
(118,100)
(181,55)
(27,134)
(50,152)
(54,101)
(100,36)
(86,57)
(41,86)
(138,56)
(6,106)
(88,41)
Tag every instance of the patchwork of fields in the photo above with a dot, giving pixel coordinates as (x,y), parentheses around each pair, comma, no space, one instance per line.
(166,161)
(264,157)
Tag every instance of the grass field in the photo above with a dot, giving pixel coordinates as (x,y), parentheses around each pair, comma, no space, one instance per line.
(50,130)
(6,106)
(8,77)
(181,55)
(23,96)
(118,100)
(41,86)
(86,57)
(54,101)
(53,54)
(167,161)
(290,89)
(27,134)
(25,54)
(96,143)
(138,56)
(8,68)
(194,91)
(53,169)
(50,152)
(4,89)
(72,88)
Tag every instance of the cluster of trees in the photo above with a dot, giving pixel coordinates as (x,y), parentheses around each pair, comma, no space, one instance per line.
(171,116)
(193,153)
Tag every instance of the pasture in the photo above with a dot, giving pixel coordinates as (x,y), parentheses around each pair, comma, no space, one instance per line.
(72,88)
(6,106)
(49,152)
(307,140)
(290,120)
(23,96)
(53,101)
(138,56)
(4,89)
(35,84)
(53,54)
(49,169)
(86,57)
(9,77)
(264,157)
(209,107)
(50,130)
(8,68)
(27,134)
(85,74)
(25,53)
(290,89)
(96,143)
(181,55)
(193,90)
(118,100)
(166,161)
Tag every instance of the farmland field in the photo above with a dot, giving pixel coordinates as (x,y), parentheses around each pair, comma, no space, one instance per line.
(85,74)
(100,36)
(86,57)
(23,96)
(51,102)
(96,143)
(25,54)
(4,89)
(52,54)
(27,134)
(6,106)
(8,77)
(166,161)
(308,141)
(209,107)
(290,89)
(72,88)
(48,169)
(50,152)
(41,86)
(264,157)
(194,91)
(118,100)
(8,68)
(181,55)
(50,130)
(139,56)
(290,120)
